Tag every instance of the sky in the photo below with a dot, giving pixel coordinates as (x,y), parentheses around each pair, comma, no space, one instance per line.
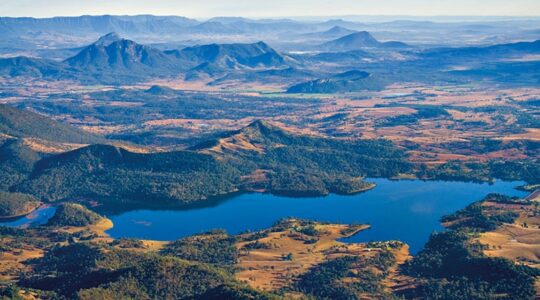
(270,8)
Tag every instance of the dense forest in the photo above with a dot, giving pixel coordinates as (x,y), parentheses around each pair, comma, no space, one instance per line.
(294,164)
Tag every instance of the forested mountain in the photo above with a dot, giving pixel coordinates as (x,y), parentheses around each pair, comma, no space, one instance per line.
(26,124)
(104,171)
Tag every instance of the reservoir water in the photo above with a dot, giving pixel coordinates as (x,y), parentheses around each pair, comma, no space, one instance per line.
(406,210)
(38,217)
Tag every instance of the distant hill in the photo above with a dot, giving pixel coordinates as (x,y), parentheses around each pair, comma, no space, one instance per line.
(108,39)
(284,76)
(160,90)
(34,67)
(493,53)
(338,31)
(332,33)
(348,57)
(510,74)
(217,58)
(113,56)
(257,55)
(351,81)
(358,40)
(97,24)
(26,124)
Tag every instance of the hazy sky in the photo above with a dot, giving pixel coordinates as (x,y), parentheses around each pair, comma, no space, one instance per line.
(270,8)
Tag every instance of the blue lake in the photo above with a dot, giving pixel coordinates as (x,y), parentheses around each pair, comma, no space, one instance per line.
(38,217)
(406,210)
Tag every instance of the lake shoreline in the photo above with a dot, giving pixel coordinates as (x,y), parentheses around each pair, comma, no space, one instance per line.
(15,217)
(407,210)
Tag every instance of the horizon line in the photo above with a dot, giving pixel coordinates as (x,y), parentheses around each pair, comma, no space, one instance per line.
(328,17)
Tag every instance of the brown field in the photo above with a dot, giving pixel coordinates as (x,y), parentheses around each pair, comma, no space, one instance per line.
(514,242)
(268,269)
(531,134)
(519,242)
(43,146)
(357,115)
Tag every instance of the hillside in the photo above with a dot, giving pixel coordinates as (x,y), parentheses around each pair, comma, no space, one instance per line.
(26,124)
(259,156)
(22,136)
(16,162)
(103,171)
(93,271)
(16,204)
(35,67)
(351,81)
(71,214)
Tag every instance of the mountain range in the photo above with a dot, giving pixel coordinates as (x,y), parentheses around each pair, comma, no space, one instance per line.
(113,59)
(47,36)
(116,60)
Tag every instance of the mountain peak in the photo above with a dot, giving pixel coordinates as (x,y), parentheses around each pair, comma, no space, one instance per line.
(108,39)
(353,41)
(255,137)
(112,56)
(259,124)
(361,36)
(338,29)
